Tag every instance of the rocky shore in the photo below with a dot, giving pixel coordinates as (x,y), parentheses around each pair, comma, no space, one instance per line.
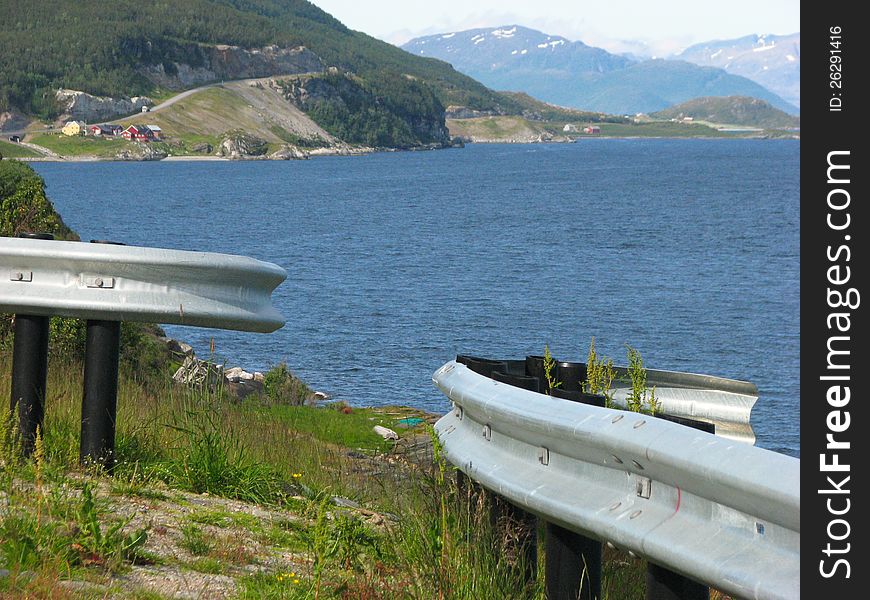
(236,381)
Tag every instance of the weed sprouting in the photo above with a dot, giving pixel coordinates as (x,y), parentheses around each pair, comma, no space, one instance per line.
(549,370)
(194,540)
(599,375)
(640,398)
(109,546)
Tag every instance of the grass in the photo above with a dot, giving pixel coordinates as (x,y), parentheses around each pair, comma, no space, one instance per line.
(208,114)
(352,428)
(13,150)
(511,127)
(655,129)
(60,522)
(78,145)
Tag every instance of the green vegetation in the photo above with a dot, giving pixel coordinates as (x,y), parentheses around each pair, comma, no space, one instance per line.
(247,491)
(640,398)
(79,145)
(86,46)
(513,128)
(549,368)
(382,110)
(657,129)
(599,374)
(24,207)
(282,387)
(536,110)
(731,110)
(13,150)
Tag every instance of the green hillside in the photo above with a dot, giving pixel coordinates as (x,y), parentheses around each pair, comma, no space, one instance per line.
(731,110)
(101,47)
(537,110)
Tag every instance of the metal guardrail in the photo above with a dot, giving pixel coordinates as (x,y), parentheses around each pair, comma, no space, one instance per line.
(107,283)
(130,283)
(713,510)
(727,403)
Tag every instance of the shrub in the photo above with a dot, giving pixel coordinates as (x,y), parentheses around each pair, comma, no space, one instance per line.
(282,387)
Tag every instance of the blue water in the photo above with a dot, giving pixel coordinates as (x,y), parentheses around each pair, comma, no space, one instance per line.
(685,249)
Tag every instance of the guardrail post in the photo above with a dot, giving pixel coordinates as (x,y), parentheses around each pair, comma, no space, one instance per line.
(664,584)
(573,561)
(100,398)
(521,528)
(573,565)
(29,366)
(29,370)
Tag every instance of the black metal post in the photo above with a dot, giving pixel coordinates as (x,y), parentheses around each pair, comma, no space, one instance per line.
(573,565)
(29,370)
(100,399)
(664,584)
(520,529)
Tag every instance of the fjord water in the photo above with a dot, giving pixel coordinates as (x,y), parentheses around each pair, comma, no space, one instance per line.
(685,249)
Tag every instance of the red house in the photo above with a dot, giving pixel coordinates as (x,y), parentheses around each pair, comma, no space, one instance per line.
(138,133)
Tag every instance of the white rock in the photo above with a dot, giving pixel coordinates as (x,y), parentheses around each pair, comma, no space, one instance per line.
(384,432)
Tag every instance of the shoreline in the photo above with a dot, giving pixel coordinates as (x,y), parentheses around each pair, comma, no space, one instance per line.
(367,151)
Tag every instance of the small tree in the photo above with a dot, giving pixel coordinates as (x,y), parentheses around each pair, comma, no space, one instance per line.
(640,394)
(599,374)
(549,367)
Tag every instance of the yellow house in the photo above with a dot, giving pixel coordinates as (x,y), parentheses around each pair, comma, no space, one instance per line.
(74,128)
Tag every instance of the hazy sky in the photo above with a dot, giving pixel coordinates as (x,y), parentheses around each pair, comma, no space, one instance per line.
(666,25)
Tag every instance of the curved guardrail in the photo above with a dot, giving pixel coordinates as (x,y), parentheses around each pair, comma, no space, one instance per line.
(727,403)
(714,510)
(106,284)
(130,283)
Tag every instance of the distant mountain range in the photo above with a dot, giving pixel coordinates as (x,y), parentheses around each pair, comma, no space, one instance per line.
(574,74)
(774,61)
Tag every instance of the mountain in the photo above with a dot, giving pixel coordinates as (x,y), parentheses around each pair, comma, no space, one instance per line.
(573,74)
(774,61)
(731,110)
(131,47)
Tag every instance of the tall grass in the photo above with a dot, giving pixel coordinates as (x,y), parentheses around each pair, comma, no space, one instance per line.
(441,542)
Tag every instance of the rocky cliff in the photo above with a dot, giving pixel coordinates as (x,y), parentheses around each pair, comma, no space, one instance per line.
(85,107)
(358,111)
(222,62)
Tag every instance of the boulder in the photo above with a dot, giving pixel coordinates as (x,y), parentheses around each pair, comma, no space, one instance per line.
(202,148)
(386,433)
(289,152)
(177,347)
(242,388)
(195,372)
(239,145)
(141,151)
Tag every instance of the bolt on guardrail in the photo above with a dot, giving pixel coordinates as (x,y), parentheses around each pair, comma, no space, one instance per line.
(107,285)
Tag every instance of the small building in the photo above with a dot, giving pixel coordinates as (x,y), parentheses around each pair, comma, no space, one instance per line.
(137,133)
(106,130)
(74,128)
(569,127)
(592,129)
(156,132)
